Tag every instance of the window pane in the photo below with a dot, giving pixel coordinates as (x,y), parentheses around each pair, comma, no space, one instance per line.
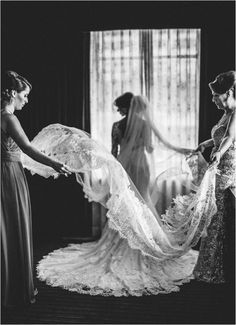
(173,79)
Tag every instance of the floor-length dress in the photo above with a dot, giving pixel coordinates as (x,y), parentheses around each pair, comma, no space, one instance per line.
(212,265)
(110,267)
(16,230)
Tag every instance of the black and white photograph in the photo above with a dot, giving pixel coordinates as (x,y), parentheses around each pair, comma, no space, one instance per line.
(118,166)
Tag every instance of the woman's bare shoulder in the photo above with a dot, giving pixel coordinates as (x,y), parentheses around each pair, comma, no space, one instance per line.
(7,119)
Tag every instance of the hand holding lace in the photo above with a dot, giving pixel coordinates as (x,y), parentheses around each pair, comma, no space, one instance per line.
(61,168)
(215,157)
(214,150)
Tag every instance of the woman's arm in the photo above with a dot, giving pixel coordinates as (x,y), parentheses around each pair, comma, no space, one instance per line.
(15,130)
(205,144)
(165,142)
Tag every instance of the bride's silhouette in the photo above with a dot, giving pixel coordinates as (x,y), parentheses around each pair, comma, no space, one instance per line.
(145,155)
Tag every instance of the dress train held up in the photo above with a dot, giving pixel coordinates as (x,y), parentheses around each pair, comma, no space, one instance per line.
(136,254)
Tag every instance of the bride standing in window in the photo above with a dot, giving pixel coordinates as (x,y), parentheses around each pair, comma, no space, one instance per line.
(135,136)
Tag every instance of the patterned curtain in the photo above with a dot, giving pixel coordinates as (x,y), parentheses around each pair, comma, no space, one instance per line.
(162,64)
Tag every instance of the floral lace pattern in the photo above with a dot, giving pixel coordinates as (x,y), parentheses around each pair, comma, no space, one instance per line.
(136,254)
(111,267)
(211,263)
(187,220)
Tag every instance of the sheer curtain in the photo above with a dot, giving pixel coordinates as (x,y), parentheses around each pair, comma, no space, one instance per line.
(163,65)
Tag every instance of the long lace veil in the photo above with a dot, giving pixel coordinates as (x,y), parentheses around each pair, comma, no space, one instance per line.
(104,180)
(151,161)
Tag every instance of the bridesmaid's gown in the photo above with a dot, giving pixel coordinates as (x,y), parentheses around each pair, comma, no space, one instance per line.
(16,231)
(217,249)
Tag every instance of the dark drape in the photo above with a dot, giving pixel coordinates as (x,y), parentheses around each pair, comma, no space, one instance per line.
(47,42)
(58,68)
(86,74)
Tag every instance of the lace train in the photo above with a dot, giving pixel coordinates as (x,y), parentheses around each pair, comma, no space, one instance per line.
(110,267)
(137,254)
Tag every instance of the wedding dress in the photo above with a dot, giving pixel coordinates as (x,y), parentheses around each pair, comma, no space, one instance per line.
(137,254)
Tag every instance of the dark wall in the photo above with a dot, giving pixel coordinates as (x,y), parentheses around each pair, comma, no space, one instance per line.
(44,42)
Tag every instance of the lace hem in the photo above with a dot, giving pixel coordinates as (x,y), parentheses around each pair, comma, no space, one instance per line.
(96,291)
(110,268)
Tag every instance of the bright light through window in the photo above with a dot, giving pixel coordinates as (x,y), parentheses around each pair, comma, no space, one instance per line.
(163,65)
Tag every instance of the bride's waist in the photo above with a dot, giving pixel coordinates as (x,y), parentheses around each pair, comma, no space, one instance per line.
(132,149)
(139,147)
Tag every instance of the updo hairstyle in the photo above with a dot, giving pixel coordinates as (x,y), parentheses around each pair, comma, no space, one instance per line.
(12,81)
(224,82)
(124,100)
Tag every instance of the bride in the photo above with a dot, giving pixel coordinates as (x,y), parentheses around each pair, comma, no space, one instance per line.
(146,156)
(139,252)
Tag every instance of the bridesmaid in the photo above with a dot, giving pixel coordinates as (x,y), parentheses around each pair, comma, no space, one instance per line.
(16,234)
(214,255)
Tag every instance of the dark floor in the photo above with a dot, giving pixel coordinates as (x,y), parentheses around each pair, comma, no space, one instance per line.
(195,303)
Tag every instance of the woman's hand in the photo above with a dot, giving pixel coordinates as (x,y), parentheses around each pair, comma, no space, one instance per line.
(201,147)
(61,168)
(215,157)
(212,152)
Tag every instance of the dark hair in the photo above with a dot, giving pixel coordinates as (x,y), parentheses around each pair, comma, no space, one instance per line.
(12,81)
(124,100)
(223,82)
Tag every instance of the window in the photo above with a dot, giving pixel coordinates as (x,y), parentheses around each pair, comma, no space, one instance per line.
(163,65)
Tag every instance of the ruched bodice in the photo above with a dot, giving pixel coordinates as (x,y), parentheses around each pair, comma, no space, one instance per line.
(9,149)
